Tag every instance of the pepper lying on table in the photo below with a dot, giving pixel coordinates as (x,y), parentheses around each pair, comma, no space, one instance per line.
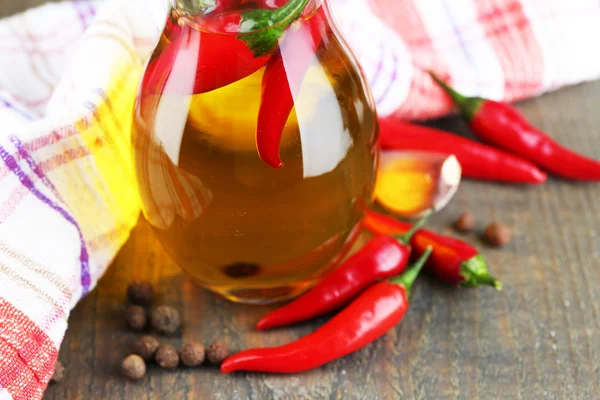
(477,160)
(504,126)
(382,257)
(376,310)
(453,261)
(370,316)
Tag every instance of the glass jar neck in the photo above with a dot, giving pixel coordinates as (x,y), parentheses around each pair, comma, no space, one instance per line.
(200,7)
(194,6)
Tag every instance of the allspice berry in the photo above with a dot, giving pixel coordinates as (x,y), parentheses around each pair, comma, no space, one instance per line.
(133,367)
(497,234)
(135,316)
(192,354)
(465,223)
(165,319)
(140,293)
(146,347)
(59,372)
(217,352)
(167,356)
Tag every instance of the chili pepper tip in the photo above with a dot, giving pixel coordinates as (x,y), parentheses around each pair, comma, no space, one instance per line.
(274,163)
(475,273)
(539,176)
(226,367)
(407,279)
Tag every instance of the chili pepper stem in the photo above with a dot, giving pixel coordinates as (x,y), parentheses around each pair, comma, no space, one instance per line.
(475,273)
(407,279)
(468,106)
(262,28)
(405,237)
(292,7)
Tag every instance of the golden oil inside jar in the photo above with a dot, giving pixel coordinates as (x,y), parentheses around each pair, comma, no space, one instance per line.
(245,230)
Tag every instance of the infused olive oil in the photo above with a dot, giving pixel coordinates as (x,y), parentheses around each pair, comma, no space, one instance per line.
(239,227)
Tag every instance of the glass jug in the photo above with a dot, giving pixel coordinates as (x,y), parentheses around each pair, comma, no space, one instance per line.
(254,145)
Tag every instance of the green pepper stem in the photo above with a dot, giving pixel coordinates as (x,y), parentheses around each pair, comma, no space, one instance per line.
(261,19)
(408,278)
(488,279)
(475,273)
(291,9)
(406,236)
(262,28)
(468,106)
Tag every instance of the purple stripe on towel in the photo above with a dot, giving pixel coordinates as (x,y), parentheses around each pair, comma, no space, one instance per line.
(379,67)
(11,106)
(33,165)
(461,42)
(80,14)
(13,166)
(383,95)
(91,8)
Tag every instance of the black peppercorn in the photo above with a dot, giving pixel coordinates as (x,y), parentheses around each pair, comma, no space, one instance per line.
(133,367)
(167,356)
(135,316)
(140,293)
(165,319)
(217,352)
(192,354)
(146,347)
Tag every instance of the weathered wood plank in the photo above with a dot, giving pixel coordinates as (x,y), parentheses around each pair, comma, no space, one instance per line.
(538,338)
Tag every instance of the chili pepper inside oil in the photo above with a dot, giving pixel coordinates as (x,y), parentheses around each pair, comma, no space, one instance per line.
(235,224)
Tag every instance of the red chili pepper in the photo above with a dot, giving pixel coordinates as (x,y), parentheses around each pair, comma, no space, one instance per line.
(381,258)
(281,83)
(370,316)
(172,28)
(226,5)
(219,59)
(477,160)
(453,261)
(504,126)
(270,4)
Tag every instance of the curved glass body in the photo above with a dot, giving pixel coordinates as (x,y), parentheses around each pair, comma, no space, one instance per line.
(244,229)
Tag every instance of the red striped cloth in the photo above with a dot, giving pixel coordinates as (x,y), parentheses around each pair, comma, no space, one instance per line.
(500,49)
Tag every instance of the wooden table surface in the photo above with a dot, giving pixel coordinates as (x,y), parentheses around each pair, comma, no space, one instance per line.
(539,338)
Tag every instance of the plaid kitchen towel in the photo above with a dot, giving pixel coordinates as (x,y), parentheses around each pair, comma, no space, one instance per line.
(68,78)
